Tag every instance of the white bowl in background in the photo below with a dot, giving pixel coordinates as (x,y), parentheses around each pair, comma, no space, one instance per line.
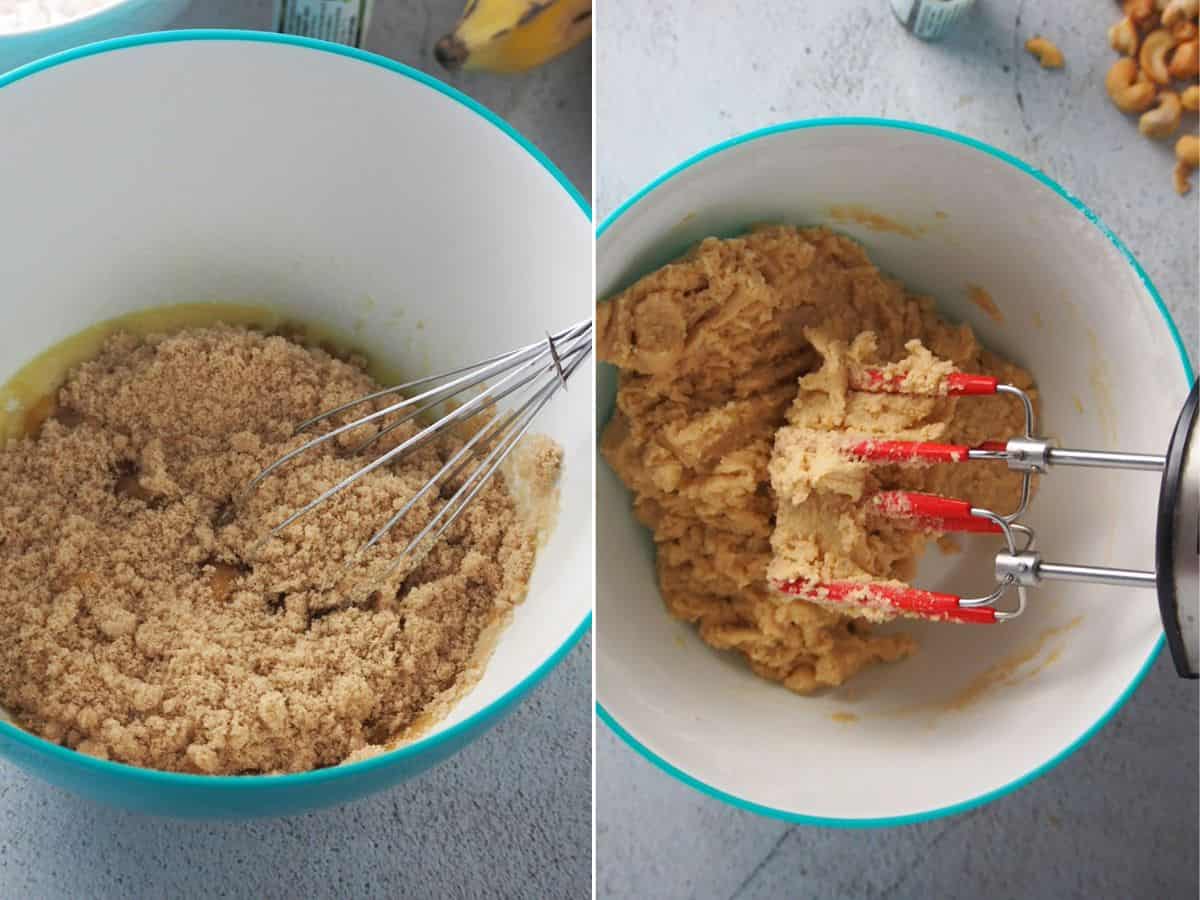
(925,737)
(340,188)
(113,19)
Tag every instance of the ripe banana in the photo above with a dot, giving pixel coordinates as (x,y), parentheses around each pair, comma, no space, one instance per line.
(514,35)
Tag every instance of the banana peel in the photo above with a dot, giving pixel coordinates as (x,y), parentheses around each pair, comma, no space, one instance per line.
(514,35)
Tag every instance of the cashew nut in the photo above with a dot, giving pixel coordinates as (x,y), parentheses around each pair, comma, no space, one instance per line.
(1163,120)
(1187,156)
(1153,55)
(1046,52)
(1128,91)
(1179,11)
(1185,31)
(1190,98)
(1140,11)
(1185,61)
(1123,37)
(1187,150)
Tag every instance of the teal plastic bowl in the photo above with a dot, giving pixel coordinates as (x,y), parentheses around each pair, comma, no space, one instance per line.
(248,796)
(335,187)
(980,711)
(118,18)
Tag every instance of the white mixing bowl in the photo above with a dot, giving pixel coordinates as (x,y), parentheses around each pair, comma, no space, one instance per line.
(980,710)
(340,188)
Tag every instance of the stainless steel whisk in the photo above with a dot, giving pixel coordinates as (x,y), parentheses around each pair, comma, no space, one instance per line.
(535,373)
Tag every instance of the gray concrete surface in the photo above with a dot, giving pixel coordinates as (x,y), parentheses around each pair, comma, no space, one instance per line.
(1119,818)
(510,816)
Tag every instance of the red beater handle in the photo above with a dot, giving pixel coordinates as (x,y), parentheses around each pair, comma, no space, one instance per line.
(933,511)
(971,385)
(908,451)
(957,383)
(924,604)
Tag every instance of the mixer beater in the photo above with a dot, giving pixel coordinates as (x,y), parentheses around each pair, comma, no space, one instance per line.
(1019,565)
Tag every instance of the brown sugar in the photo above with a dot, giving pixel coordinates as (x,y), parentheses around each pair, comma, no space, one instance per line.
(711,349)
(136,623)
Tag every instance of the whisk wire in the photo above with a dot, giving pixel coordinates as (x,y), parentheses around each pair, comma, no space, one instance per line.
(451,469)
(479,478)
(487,392)
(446,473)
(510,357)
(559,354)
(468,409)
(434,396)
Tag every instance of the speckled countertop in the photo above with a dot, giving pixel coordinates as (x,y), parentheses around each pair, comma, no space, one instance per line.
(510,816)
(1119,818)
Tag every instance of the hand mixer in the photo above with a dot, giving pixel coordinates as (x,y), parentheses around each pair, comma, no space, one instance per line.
(1019,565)
(532,374)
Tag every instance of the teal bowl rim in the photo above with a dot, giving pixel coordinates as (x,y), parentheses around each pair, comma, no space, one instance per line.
(70,757)
(953,809)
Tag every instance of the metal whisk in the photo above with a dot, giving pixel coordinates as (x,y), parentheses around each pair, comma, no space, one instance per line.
(532,374)
(1019,565)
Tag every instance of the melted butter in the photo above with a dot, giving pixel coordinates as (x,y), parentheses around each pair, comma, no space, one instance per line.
(29,398)
(981,298)
(1012,670)
(1023,664)
(853,214)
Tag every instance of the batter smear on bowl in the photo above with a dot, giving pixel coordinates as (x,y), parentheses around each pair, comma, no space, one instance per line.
(733,411)
(137,625)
